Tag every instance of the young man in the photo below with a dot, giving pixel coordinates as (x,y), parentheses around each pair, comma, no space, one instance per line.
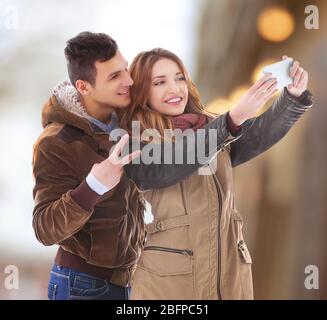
(83,200)
(99,240)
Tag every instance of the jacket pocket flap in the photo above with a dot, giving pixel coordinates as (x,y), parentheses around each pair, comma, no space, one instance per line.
(165,263)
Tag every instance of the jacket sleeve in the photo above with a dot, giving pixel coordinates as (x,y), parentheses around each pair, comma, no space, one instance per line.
(161,175)
(261,133)
(56,216)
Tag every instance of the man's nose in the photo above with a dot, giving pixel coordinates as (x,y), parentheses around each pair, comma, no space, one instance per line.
(128,81)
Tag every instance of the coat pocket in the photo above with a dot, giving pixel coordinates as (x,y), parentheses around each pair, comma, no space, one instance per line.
(165,261)
(164,273)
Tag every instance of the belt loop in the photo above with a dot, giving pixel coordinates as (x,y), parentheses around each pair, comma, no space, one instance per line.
(162,225)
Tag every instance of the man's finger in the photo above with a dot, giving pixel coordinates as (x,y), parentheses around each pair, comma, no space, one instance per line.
(120,146)
(130,157)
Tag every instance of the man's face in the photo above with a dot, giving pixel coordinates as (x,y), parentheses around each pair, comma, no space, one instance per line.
(112,83)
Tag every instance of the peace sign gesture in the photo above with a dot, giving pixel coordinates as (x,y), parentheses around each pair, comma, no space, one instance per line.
(109,171)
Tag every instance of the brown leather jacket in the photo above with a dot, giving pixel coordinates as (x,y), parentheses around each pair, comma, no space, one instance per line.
(108,235)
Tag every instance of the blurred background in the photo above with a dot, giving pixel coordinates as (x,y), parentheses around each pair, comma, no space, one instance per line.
(281,194)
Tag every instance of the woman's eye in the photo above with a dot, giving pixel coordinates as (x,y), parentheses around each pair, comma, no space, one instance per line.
(158,83)
(181,78)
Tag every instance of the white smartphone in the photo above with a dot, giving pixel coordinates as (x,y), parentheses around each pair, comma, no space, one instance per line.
(281,71)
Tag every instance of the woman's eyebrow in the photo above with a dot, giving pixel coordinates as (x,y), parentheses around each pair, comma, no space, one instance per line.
(158,77)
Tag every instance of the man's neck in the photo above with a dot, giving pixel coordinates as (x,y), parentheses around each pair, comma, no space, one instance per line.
(100,112)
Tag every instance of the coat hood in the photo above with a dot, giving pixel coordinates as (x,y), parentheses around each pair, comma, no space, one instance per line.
(64,106)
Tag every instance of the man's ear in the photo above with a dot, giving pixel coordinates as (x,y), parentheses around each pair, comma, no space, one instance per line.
(83,87)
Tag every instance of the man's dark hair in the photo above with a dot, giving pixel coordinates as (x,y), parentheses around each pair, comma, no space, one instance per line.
(84,50)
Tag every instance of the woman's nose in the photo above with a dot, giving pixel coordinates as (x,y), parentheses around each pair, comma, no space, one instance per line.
(173,87)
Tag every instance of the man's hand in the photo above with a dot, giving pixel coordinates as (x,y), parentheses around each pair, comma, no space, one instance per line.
(254,99)
(109,171)
(300,79)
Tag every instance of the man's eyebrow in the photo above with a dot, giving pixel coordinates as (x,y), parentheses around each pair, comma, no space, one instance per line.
(116,72)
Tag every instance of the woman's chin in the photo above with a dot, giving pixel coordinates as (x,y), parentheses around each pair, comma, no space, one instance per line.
(175,112)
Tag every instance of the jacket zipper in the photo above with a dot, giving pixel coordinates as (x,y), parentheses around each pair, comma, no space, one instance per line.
(172,250)
(218,237)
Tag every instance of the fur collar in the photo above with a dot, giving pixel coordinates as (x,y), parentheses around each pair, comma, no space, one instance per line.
(68,98)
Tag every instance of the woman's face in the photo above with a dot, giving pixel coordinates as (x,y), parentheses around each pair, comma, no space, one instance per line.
(168,90)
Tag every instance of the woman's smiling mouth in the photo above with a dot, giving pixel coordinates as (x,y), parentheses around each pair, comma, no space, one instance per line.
(174,101)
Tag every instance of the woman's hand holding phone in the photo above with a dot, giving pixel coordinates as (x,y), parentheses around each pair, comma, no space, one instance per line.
(264,89)
(300,79)
(254,99)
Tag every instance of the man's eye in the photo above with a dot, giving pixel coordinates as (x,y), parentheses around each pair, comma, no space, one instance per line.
(114,76)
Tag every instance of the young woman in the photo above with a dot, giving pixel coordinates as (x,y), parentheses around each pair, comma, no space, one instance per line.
(194,247)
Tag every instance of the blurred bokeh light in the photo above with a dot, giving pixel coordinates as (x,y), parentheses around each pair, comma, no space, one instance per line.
(275,24)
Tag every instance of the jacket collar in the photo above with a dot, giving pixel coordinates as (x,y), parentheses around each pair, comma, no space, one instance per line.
(64,106)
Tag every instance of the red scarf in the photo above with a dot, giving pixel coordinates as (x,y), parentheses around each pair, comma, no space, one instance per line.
(192,121)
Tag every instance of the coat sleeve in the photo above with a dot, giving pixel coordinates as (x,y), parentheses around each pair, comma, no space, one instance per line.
(160,175)
(56,216)
(261,133)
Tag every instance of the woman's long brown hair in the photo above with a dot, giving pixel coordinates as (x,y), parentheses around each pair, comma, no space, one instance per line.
(139,110)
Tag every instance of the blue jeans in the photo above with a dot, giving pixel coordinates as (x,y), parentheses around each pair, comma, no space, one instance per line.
(68,284)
